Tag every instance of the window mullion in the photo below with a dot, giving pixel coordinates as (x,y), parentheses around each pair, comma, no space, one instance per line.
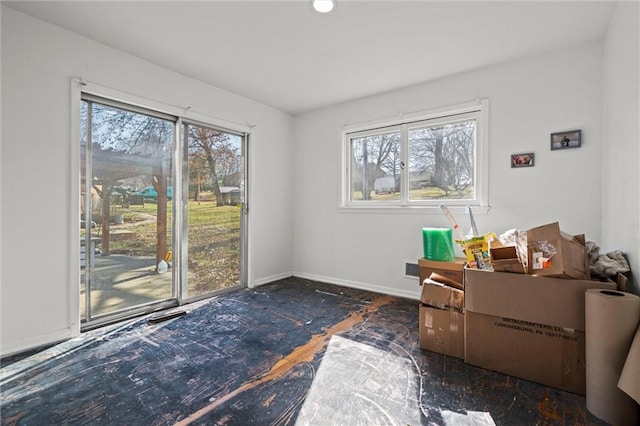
(404,172)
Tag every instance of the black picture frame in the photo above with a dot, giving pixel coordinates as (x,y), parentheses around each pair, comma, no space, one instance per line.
(566,140)
(526,159)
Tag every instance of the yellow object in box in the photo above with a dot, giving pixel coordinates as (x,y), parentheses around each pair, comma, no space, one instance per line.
(477,252)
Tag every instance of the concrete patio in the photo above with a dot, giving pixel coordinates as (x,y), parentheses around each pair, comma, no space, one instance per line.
(121,282)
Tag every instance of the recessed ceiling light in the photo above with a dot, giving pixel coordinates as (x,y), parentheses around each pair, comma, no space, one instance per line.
(324,6)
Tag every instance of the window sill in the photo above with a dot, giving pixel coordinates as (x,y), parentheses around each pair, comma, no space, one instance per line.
(422,210)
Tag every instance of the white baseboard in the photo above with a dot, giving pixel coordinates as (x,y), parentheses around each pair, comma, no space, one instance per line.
(415,295)
(11,348)
(267,280)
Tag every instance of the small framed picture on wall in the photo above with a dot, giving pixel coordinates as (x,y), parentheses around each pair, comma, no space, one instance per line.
(565,140)
(522,160)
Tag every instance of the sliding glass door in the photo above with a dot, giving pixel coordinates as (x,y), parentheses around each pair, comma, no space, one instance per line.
(215,184)
(152,234)
(126,217)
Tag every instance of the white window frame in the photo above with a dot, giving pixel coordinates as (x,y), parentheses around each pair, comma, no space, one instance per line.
(361,134)
(478,109)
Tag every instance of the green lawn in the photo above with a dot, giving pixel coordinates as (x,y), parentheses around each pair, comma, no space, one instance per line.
(213,241)
(429,193)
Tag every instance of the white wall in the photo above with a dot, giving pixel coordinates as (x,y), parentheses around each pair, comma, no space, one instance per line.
(529,99)
(621,147)
(38,60)
(295,224)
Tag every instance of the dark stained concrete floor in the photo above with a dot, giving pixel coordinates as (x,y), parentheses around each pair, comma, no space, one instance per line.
(292,352)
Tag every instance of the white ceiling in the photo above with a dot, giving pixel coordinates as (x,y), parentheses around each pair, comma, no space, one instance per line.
(283,54)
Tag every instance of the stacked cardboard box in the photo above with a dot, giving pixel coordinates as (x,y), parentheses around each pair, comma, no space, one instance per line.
(441,307)
(531,324)
(506,259)
(570,254)
(527,326)
(547,252)
(452,270)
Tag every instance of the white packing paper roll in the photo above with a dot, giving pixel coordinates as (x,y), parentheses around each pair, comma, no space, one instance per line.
(611,319)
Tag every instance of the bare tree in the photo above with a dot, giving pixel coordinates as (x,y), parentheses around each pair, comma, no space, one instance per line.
(445,154)
(219,152)
(373,157)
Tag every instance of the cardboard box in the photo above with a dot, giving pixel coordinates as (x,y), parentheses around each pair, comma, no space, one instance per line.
(505,259)
(442,297)
(527,326)
(570,260)
(452,270)
(442,331)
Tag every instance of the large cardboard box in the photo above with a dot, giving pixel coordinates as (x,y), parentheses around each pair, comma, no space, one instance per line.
(452,270)
(442,331)
(528,326)
(570,259)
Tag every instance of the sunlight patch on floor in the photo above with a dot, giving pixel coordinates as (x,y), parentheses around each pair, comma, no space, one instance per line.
(361,384)
(472,418)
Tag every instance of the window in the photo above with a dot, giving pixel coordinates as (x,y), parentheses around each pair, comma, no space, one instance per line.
(421,161)
(375,166)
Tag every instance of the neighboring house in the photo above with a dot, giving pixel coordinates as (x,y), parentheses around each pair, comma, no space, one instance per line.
(231,194)
(385,184)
